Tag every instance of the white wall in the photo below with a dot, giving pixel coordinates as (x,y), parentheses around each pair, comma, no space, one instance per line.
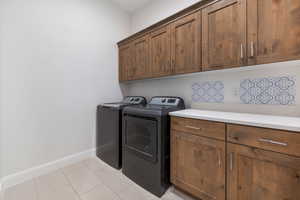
(156,11)
(181,86)
(1,88)
(58,61)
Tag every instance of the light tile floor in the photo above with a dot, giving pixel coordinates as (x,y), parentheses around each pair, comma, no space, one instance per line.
(87,180)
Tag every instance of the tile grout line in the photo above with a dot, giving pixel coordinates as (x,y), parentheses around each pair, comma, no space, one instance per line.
(110,189)
(35,186)
(100,181)
(69,181)
(66,177)
(118,195)
(93,174)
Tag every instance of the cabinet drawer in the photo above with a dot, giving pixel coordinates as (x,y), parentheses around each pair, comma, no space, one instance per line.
(209,129)
(267,139)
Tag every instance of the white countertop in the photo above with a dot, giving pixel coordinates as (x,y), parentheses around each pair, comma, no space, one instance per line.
(265,121)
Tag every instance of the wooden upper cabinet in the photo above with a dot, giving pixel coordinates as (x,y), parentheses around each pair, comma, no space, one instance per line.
(140,54)
(198,165)
(274,30)
(160,52)
(255,174)
(214,35)
(125,62)
(224,34)
(186,44)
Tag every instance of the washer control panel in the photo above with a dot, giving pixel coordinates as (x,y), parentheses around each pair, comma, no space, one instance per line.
(134,100)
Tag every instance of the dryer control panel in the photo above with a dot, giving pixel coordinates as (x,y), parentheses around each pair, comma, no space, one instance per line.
(167,101)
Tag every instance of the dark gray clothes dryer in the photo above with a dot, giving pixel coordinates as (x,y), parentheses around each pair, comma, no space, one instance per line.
(146,143)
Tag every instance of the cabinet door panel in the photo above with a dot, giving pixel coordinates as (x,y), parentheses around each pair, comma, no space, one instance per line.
(273,30)
(141,58)
(186,44)
(160,52)
(255,174)
(198,165)
(125,62)
(224,34)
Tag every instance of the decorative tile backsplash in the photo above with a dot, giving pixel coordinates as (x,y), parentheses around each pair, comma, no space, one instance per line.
(269,90)
(208,92)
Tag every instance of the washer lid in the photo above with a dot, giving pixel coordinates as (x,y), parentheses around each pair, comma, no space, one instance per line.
(115,105)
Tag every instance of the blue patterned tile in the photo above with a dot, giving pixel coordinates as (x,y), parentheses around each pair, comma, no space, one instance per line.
(269,90)
(208,92)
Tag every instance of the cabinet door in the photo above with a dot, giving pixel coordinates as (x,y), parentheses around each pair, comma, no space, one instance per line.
(160,52)
(186,44)
(125,62)
(273,30)
(141,58)
(198,165)
(255,174)
(224,35)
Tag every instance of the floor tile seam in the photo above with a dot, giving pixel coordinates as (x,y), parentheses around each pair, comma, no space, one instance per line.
(111,189)
(107,187)
(70,183)
(35,187)
(103,183)
(118,194)
(86,192)
(98,178)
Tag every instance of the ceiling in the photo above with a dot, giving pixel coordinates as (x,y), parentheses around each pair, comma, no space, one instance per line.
(131,5)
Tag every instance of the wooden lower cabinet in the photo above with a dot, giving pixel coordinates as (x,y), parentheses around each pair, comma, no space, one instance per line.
(198,165)
(251,164)
(255,174)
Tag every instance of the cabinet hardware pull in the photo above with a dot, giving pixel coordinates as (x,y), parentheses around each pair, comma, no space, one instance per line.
(272,142)
(193,127)
(219,157)
(231,161)
(242,51)
(173,65)
(252,49)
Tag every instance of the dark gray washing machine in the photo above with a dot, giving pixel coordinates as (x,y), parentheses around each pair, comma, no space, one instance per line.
(109,130)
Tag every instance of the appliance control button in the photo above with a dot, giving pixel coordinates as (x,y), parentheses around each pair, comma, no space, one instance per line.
(171,100)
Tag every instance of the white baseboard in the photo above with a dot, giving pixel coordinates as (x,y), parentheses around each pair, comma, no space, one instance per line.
(34,172)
